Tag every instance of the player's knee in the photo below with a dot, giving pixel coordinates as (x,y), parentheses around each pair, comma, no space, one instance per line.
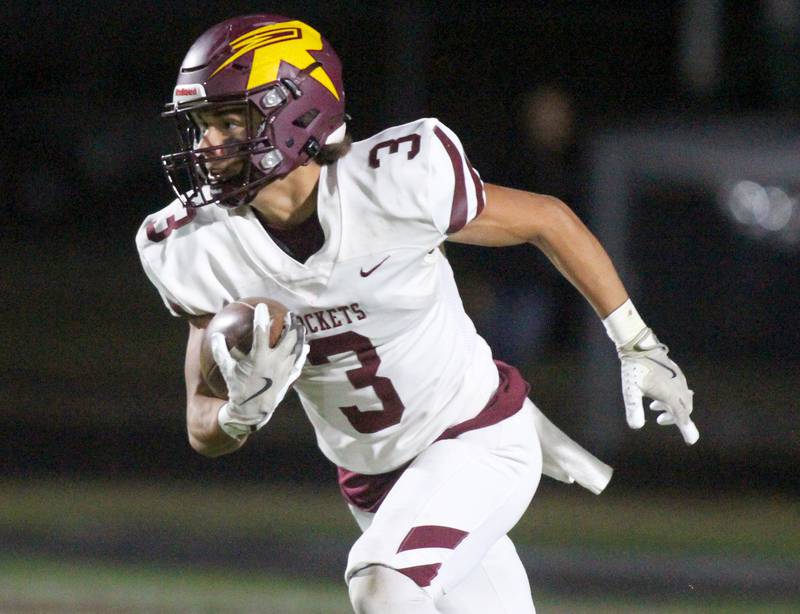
(368,590)
(382,590)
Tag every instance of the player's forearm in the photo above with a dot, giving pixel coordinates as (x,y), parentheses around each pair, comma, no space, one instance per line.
(578,255)
(205,434)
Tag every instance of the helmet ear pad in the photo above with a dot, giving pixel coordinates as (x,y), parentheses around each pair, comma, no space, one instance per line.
(300,126)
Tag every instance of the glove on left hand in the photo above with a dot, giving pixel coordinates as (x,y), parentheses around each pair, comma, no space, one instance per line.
(648,371)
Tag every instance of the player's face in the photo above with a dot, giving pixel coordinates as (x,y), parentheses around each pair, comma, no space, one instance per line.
(218,130)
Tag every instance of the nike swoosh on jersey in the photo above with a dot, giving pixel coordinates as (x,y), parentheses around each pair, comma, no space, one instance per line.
(266,387)
(372,270)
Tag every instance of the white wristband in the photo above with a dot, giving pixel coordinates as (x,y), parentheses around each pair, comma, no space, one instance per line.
(623,324)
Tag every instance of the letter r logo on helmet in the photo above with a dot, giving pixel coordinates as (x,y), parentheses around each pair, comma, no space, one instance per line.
(288,42)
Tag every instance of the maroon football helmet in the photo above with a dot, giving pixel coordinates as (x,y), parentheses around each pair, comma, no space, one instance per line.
(281,68)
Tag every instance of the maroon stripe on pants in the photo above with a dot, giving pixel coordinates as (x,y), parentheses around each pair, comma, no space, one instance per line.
(422,575)
(432,536)
(458,210)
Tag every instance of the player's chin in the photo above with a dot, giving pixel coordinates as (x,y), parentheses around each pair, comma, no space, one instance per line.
(231,192)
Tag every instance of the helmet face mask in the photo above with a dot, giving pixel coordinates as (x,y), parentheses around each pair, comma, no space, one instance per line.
(286,81)
(188,171)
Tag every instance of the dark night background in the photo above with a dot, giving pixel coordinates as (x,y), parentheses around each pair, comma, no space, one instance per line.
(92,364)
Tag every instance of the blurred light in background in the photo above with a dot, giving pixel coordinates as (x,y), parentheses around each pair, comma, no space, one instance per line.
(767,213)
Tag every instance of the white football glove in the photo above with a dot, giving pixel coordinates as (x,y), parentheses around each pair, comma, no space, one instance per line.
(258,381)
(648,371)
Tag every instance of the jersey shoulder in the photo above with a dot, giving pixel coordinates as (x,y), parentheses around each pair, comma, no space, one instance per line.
(418,170)
(171,242)
(166,225)
(407,147)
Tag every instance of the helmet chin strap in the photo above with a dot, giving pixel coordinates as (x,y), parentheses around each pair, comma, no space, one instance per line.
(337,136)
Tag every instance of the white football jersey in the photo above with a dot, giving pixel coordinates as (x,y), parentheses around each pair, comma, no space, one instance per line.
(394,359)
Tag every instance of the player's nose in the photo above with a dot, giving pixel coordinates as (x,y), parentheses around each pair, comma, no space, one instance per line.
(212,138)
(214,142)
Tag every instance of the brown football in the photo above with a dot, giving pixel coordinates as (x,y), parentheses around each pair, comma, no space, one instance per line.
(235,321)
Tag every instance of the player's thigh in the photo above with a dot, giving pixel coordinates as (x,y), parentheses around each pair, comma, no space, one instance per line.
(499,584)
(453,503)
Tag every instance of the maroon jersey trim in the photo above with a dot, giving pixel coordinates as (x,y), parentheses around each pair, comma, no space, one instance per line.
(367,492)
(458,210)
(476,180)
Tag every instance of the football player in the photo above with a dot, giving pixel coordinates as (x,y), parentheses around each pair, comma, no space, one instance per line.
(439,451)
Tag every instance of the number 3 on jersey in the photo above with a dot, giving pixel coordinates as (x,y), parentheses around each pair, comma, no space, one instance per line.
(393,146)
(364,376)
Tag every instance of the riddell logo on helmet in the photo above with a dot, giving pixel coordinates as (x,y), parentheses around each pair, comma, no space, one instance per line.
(183,93)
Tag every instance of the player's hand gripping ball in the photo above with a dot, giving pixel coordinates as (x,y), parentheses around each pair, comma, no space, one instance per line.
(235,321)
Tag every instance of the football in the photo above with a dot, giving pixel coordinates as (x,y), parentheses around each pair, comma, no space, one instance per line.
(235,321)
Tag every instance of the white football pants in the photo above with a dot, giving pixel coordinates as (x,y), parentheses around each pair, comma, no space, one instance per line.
(438,542)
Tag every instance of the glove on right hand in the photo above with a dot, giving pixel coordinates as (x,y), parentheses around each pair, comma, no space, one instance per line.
(258,381)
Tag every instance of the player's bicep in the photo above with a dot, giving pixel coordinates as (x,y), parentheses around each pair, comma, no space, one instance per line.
(510,217)
(195,384)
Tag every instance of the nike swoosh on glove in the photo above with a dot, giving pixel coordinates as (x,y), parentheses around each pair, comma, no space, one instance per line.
(258,381)
(648,371)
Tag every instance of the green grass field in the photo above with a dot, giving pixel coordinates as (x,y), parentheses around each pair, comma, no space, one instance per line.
(43,569)
(36,584)
(758,525)
(45,585)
